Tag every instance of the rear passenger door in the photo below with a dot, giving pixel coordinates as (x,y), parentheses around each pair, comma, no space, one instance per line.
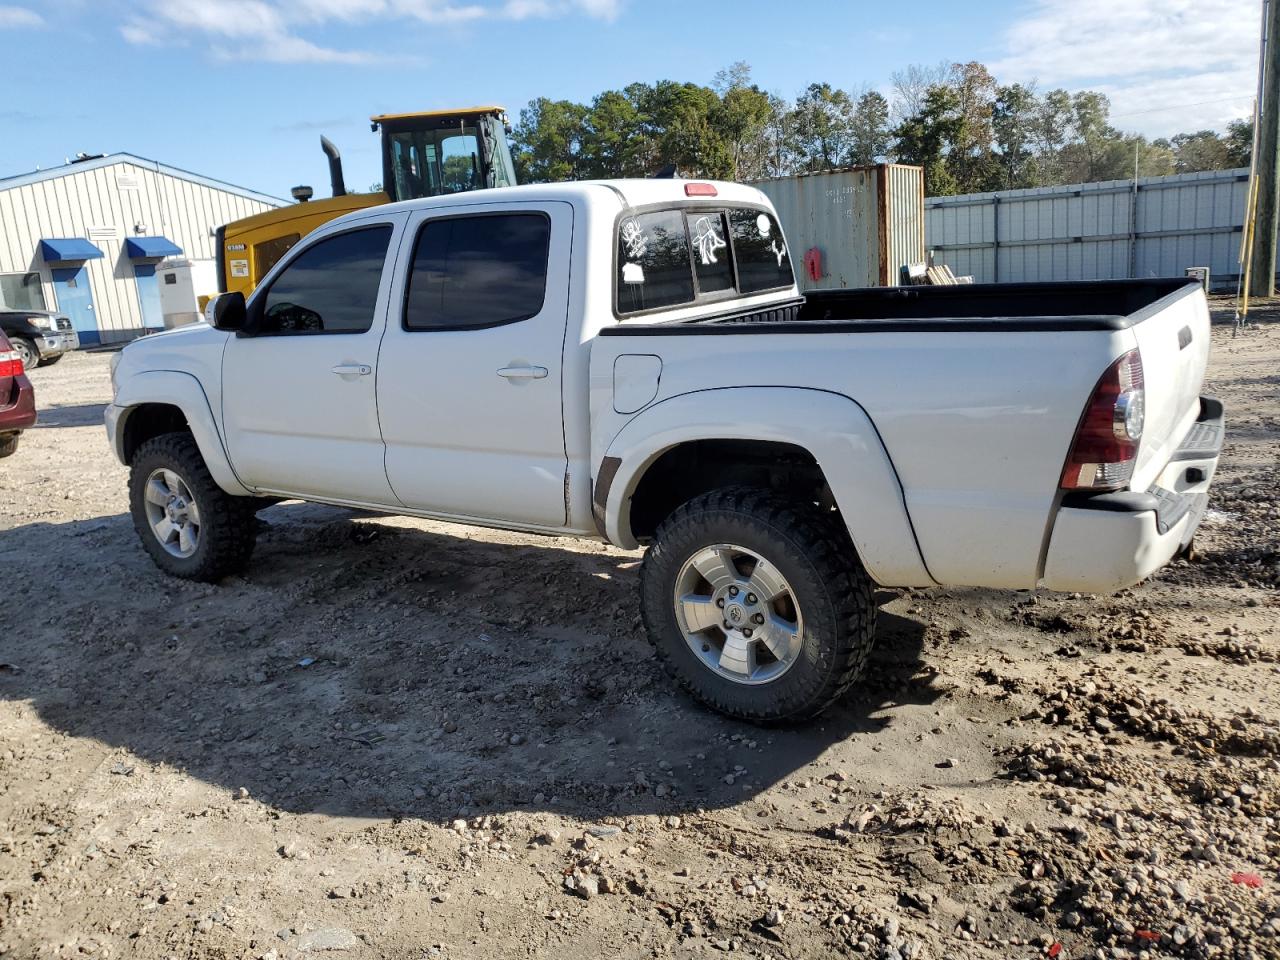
(469,381)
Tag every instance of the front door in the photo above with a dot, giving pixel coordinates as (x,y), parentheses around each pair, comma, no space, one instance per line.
(75,299)
(469,385)
(298,395)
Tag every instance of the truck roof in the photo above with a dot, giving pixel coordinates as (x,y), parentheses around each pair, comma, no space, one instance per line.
(635,193)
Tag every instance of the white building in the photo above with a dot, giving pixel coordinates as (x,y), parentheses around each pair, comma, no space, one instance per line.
(85,238)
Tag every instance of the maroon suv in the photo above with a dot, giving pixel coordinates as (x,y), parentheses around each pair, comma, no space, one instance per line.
(17,398)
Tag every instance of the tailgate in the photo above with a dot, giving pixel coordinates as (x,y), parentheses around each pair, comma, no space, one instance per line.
(1173,336)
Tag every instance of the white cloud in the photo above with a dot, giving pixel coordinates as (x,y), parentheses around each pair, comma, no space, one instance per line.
(14,17)
(1158,62)
(269,29)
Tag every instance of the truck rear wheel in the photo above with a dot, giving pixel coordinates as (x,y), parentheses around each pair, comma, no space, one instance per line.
(190,526)
(757,605)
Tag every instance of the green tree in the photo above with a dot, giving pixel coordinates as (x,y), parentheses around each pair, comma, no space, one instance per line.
(547,141)
(677,118)
(615,139)
(925,137)
(970,154)
(741,120)
(820,128)
(869,135)
(1050,131)
(1239,143)
(1202,150)
(1013,123)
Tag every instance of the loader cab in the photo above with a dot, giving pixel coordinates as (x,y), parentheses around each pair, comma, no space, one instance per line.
(444,152)
(423,155)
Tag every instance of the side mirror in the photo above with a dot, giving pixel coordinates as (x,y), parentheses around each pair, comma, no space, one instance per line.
(226,311)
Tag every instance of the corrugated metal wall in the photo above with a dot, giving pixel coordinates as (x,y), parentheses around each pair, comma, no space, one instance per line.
(861,219)
(1094,231)
(103,204)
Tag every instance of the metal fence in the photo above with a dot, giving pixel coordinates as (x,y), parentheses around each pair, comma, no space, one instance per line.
(1151,227)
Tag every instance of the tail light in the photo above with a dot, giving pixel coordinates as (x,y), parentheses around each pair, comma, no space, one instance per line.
(699,189)
(10,363)
(1106,442)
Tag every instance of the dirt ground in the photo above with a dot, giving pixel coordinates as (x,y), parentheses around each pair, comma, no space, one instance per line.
(396,738)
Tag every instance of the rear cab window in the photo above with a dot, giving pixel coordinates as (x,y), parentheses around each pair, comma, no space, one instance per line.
(687,255)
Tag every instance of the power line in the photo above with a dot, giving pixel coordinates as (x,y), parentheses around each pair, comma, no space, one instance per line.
(1179,106)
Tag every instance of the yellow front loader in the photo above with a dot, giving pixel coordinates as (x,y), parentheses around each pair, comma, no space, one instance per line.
(423,155)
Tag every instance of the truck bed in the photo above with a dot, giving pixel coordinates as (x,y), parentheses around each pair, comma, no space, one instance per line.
(975,391)
(983,307)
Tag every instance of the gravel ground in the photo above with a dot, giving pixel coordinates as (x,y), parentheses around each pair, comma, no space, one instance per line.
(396,738)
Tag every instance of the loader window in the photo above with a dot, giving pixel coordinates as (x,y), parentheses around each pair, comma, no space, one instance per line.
(268,253)
(332,286)
(427,163)
(474,272)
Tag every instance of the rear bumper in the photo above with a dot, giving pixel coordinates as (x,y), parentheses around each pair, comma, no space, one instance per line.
(1106,541)
(21,411)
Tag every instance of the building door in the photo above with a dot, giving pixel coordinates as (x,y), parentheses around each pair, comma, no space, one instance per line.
(75,299)
(149,296)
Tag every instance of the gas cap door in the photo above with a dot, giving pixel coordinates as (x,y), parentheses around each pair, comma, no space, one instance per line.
(635,381)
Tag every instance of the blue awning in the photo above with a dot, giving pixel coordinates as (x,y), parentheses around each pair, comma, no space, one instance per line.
(71,248)
(138,248)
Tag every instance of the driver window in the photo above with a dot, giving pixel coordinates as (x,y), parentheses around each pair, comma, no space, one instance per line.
(332,287)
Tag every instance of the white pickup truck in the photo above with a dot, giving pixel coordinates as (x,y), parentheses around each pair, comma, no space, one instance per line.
(631,361)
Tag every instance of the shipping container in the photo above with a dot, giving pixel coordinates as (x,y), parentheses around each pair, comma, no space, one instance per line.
(852,227)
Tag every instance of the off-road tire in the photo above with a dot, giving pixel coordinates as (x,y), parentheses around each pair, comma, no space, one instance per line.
(50,361)
(9,445)
(30,355)
(227,529)
(820,564)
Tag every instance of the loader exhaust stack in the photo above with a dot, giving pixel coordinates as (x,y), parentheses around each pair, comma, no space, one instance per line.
(335,167)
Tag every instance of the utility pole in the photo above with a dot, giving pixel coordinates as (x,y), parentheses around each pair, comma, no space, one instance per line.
(1262,275)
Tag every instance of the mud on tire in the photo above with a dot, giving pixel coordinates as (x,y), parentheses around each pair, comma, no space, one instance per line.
(831,590)
(227,527)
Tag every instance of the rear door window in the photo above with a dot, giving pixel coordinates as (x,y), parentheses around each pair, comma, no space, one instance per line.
(478,271)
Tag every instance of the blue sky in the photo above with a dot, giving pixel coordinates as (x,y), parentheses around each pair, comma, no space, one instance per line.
(242,89)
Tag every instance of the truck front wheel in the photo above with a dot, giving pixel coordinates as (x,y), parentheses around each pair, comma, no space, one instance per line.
(758,606)
(190,526)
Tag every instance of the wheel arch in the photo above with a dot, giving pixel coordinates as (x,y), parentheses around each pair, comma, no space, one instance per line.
(157,402)
(819,437)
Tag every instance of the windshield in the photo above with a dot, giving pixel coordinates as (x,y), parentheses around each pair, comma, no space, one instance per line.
(427,163)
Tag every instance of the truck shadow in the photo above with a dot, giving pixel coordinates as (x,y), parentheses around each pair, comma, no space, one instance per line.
(378,669)
(75,415)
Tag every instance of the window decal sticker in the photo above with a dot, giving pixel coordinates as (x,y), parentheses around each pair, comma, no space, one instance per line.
(635,240)
(708,240)
(632,273)
(763,226)
(779,250)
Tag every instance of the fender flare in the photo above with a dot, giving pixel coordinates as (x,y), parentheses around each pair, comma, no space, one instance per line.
(832,427)
(183,391)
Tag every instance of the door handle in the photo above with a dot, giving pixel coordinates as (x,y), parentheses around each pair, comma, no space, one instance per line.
(348,370)
(523,373)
